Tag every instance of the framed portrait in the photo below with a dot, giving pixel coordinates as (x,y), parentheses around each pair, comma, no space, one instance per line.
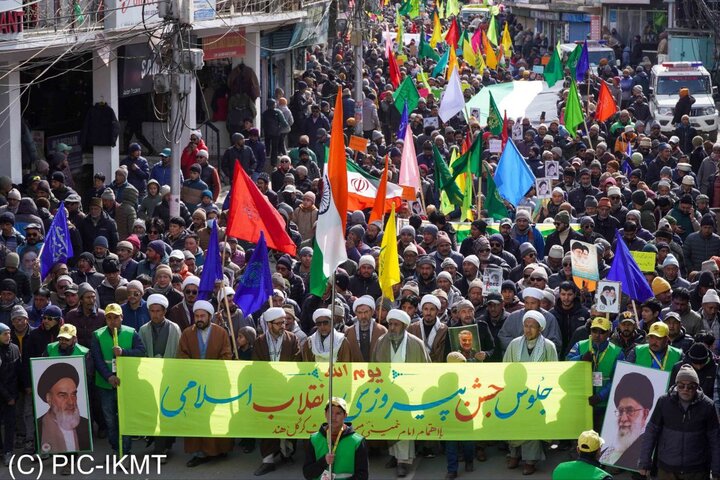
(431,122)
(62,408)
(633,395)
(543,187)
(552,169)
(583,257)
(466,340)
(607,296)
(492,280)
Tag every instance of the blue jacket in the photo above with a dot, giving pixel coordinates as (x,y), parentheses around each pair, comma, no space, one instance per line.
(163,174)
(135,318)
(137,177)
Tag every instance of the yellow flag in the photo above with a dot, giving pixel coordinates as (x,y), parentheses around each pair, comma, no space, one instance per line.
(468,53)
(440,9)
(422,76)
(389,264)
(452,7)
(480,62)
(507,41)
(437,35)
(452,62)
(399,26)
(490,57)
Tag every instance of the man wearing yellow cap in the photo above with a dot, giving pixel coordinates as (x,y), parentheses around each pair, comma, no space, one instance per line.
(348,452)
(586,467)
(603,355)
(109,342)
(657,353)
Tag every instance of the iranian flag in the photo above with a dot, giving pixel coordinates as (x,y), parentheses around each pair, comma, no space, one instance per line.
(511,97)
(329,244)
(363,188)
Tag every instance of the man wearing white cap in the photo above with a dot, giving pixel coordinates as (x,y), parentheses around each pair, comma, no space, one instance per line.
(161,338)
(398,346)
(317,347)
(364,334)
(274,345)
(531,346)
(181,314)
(709,313)
(431,330)
(365,281)
(513,326)
(205,341)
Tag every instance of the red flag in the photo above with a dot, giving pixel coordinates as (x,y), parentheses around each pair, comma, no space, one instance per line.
(393,68)
(606,106)
(504,130)
(452,37)
(378,210)
(251,212)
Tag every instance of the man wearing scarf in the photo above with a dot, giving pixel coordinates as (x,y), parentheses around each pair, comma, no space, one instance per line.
(205,341)
(317,347)
(364,334)
(275,345)
(524,231)
(431,330)
(513,326)
(399,346)
(529,347)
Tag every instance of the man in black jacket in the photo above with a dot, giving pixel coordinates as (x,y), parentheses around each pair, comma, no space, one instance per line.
(9,375)
(683,431)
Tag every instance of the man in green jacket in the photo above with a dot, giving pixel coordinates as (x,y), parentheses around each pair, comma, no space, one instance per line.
(657,353)
(348,452)
(586,467)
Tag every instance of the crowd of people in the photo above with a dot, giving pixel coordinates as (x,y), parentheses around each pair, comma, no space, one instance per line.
(136,268)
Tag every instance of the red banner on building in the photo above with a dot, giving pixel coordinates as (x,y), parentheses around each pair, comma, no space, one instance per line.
(227,46)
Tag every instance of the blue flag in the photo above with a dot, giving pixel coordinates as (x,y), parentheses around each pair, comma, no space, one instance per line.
(255,286)
(626,168)
(212,268)
(513,176)
(583,64)
(625,269)
(403,121)
(57,247)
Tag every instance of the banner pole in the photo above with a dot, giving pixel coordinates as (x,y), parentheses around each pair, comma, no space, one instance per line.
(328,434)
(233,342)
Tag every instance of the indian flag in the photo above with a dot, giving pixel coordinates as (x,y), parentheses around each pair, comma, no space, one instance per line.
(329,244)
(363,188)
(511,97)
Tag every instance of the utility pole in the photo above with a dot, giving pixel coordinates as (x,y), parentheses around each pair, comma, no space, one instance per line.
(357,42)
(177,77)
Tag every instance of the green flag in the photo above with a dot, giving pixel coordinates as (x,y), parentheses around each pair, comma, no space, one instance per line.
(470,160)
(573,111)
(494,119)
(442,63)
(405,7)
(573,58)
(425,50)
(553,70)
(492,31)
(406,92)
(466,213)
(494,205)
(444,180)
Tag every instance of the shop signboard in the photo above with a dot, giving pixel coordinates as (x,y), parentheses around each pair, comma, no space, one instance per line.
(137,65)
(231,45)
(11,19)
(131,13)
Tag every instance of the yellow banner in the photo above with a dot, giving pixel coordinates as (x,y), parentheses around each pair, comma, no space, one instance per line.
(645,260)
(477,401)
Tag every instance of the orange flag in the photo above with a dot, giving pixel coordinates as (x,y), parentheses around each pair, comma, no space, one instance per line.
(606,106)
(378,210)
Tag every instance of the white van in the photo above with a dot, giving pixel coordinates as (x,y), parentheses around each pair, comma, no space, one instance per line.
(667,79)
(597,50)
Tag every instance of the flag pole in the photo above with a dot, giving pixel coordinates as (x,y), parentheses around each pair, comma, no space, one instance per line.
(233,342)
(330,366)
(587,110)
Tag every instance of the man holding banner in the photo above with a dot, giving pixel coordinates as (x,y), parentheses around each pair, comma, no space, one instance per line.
(399,346)
(275,345)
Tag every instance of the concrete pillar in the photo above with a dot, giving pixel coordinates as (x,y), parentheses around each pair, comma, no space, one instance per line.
(105,89)
(10,123)
(252,60)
